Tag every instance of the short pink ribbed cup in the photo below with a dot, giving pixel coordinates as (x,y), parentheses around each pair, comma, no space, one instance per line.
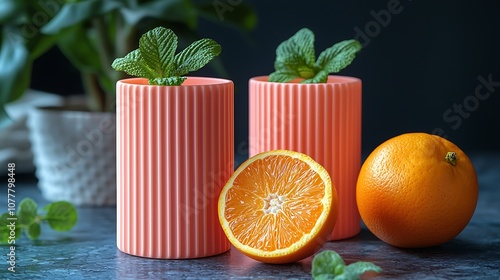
(322,120)
(175,152)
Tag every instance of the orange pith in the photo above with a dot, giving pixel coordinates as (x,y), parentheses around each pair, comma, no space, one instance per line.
(410,196)
(278,207)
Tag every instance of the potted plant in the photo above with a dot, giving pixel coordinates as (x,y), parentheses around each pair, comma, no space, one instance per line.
(74,146)
(174,149)
(301,107)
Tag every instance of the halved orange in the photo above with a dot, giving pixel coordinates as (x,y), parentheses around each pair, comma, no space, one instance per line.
(278,207)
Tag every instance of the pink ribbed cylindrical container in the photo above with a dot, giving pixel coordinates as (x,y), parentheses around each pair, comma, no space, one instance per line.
(175,152)
(322,120)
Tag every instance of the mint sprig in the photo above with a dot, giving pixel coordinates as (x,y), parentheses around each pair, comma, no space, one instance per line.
(155,59)
(329,264)
(60,216)
(295,58)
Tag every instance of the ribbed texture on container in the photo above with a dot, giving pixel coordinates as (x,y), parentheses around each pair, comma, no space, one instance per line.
(174,154)
(320,120)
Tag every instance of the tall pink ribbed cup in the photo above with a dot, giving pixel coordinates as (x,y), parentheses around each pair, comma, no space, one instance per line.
(175,152)
(321,120)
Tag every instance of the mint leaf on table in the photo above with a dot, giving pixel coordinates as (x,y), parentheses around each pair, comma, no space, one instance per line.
(330,265)
(27,211)
(155,59)
(327,264)
(5,228)
(60,216)
(28,218)
(359,268)
(295,58)
(33,231)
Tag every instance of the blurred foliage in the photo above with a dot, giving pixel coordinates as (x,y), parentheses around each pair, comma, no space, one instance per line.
(91,33)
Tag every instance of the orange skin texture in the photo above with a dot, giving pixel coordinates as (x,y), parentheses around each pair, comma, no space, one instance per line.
(409,196)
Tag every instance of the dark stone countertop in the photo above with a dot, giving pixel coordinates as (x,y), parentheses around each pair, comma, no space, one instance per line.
(89,250)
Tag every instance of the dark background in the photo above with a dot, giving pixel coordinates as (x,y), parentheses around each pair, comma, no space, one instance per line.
(418,66)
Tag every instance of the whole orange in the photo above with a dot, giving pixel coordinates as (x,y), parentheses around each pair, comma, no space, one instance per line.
(417,190)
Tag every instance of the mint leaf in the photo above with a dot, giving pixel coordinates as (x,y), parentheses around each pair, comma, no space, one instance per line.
(195,56)
(359,268)
(6,226)
(296,55)
(134,65)
(320,77)
(295,58)
(170,81)
(34,230)
(27,211)
(338,56)
(156,61)
(61,216)
(157,48)
(329,265)
(299,48)
(282,76)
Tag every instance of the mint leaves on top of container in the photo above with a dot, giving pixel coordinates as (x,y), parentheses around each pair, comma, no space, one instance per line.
(156,60)
(296,58)
(60,216)
(329,264)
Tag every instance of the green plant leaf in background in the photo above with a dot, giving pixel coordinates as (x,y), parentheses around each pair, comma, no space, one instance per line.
(10,10)
(73,13)
(90,33)
(22,43)
(61,215)
(195,56)
(241,16)
(16,59)
(173,10)
(40,44)
(76,46)
(15,62)
(15,71)
(5,120)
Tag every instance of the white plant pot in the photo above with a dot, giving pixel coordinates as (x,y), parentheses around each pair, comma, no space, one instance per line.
(75,155)
(15,145)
